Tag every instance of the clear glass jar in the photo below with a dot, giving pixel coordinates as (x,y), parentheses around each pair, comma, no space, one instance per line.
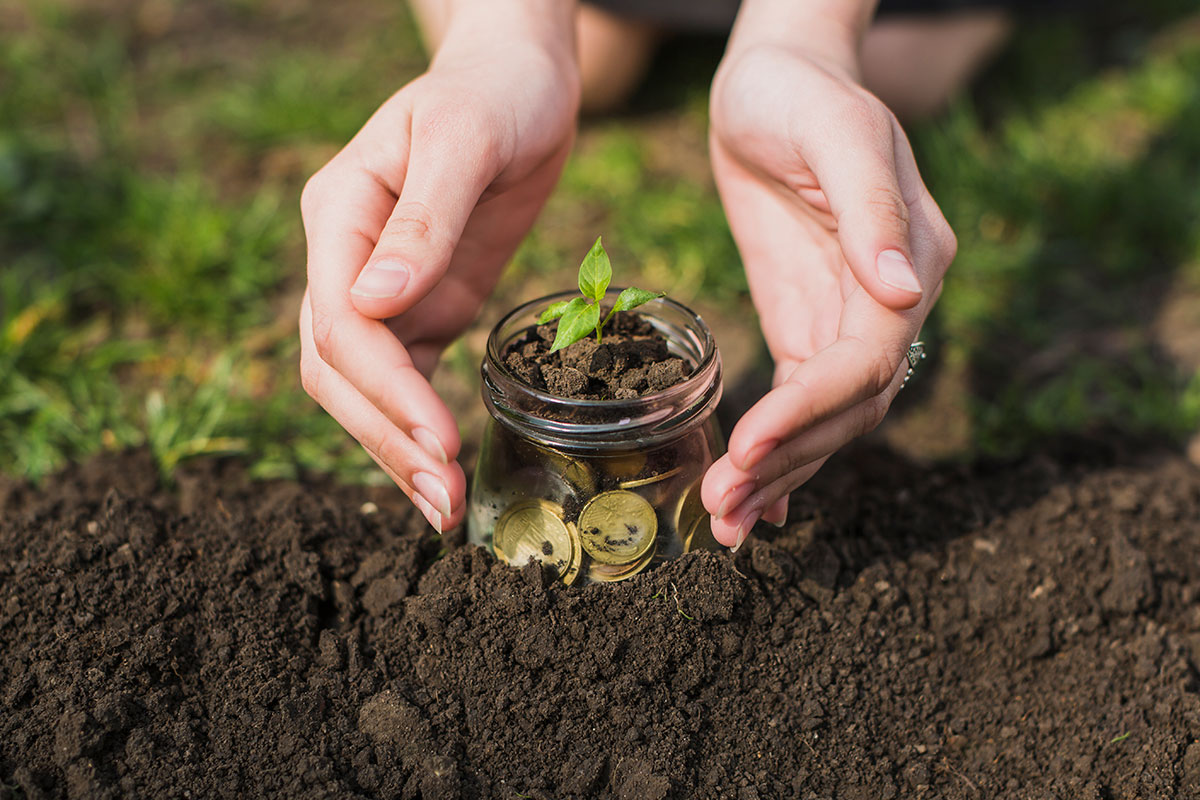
(598,490)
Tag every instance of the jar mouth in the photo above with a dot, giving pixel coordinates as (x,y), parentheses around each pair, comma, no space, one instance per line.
(614,422)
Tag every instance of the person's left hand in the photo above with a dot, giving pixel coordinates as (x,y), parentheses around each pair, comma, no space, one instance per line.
(844,251)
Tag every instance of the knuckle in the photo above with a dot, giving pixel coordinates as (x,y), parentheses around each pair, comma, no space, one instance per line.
(482,138)
(948,243)
(887,203)
(410,221)
(389,448)
(854,108)
(795,459)
(863,111)
(874,410)
(310,195)
(413,225)
(882,369)
(806,408)
(310,377)
(324,339)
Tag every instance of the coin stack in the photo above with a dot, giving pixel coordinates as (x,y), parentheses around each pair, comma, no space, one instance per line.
(606,535)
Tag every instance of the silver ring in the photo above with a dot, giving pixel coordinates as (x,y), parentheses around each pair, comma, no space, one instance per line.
(915,355)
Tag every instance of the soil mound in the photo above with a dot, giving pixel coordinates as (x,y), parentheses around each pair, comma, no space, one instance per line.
(992,631)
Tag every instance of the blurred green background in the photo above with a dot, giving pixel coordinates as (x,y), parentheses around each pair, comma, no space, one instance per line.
(152,154)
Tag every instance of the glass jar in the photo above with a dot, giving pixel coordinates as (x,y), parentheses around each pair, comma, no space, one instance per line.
(597,490)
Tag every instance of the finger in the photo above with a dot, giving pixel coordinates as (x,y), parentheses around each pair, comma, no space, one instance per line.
(861,363)
(451,163)
(732,529)
(736,486)
(777,513)
(431,514)
(844,374)
(381,371)
(340,212)
(930,235)
(441,488)
(852,154)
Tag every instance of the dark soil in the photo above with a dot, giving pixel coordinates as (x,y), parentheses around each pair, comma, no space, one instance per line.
(631,360)
(1020,631)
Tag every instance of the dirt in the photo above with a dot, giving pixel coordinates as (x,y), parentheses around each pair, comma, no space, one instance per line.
(631,360)
(984,631)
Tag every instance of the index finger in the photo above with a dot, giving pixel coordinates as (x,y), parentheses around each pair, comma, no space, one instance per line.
(341,227)
(859,364)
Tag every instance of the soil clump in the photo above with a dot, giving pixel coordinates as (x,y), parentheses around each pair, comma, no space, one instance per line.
(993,630)
(632,359)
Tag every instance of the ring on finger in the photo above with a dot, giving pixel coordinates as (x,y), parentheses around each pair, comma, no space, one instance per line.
(915,355)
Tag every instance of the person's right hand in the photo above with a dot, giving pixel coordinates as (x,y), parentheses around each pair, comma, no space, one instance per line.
(844,249)
(409,227)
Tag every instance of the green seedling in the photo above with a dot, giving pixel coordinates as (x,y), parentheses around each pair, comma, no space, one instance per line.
(661,595)
(579,316)
(679,606)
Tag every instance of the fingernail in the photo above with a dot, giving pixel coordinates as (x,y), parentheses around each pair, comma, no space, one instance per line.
(778,518)
(896,271)
(744,527)
(758,453)
(431,444)
(431,514)
(381,280)
(733,498)
(434,491)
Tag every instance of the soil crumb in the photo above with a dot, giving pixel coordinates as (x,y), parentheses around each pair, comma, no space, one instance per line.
(1019,630)
(631,360)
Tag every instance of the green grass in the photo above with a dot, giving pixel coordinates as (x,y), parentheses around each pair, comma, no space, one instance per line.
(152,256)
(1076,215)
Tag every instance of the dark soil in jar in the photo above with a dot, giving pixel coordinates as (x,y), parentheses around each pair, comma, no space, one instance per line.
(631,360)
(992,630)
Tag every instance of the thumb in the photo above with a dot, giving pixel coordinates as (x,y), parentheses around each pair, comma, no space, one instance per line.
(874,235)
(441,188)
(857,172)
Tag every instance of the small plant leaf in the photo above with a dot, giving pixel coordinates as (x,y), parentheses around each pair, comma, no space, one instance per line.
(553,311)
(632,298)
(595,272)
(578,320)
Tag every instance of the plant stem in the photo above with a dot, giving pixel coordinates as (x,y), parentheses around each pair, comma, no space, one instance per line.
(604,322)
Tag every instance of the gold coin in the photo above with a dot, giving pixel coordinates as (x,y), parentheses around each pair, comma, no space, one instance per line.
(692,523)
(688,535)
(534,529)
(662,476)
(573,470)
(689,507)
(610,573)
(699,536)
(617,527)
(625,465)
(572,571)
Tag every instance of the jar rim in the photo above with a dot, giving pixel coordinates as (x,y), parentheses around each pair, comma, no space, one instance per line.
(654,414)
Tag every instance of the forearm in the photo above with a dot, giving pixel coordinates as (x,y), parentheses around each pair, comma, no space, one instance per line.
(833,28)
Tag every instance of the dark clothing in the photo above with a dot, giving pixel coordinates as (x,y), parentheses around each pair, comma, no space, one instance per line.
(715,16)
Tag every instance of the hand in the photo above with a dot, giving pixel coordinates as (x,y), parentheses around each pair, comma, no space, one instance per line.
(844,251)
(408,229)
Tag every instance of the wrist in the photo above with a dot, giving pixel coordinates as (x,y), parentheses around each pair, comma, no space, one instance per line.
(480,27)
(831,30)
